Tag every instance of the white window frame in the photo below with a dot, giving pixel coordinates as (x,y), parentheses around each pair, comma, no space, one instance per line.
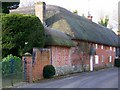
(114,49)
(102,47)
(110,59)
(110,48)
(96,46)
(96,59)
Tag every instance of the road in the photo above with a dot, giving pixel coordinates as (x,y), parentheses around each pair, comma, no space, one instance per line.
(107,78)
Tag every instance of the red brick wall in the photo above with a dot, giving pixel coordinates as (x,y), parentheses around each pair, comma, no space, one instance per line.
(106,52)
(60,56)
(67,58)
(78,57)
(42,58)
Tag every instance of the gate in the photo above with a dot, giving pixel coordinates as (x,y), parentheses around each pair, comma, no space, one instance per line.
(12,72)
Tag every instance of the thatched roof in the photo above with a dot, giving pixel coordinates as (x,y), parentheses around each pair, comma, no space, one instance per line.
(76,26)
(55,37)
(79,27)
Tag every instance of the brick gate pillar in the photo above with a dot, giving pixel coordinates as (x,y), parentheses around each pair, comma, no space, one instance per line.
(27,67)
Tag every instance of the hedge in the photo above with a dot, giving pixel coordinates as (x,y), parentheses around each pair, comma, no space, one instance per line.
(20,33)
(6,65)
(117,62)
(48,71)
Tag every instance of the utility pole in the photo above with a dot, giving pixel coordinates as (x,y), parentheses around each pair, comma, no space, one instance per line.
(119,29)
(119,17)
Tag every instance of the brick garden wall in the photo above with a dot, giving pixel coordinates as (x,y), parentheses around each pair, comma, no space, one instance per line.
(36,63)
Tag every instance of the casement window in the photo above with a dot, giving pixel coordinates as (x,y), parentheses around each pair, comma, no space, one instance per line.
(96,59)
(110,59)
(96,46)
(102,58)
(110,48)
(102,47)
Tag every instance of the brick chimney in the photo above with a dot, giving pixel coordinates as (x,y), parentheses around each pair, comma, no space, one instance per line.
(89,17)
(40,11)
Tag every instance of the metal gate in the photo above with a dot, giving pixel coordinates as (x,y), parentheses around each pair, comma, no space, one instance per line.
(12,73)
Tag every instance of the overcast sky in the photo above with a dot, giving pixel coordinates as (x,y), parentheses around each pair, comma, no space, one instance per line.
(97,8)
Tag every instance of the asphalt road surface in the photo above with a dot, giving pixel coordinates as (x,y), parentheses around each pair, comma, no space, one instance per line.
(107,78)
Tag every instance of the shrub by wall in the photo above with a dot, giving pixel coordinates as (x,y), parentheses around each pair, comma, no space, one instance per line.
(20,33)
(48,71)
(117,62)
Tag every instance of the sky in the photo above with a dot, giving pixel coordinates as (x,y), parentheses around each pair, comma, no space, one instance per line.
(97,8)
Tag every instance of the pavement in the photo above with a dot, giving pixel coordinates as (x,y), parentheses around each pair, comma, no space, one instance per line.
(106,78)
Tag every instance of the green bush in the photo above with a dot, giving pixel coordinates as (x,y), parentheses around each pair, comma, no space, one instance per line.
(117,63)
(6,65)
(48,71)
(20,33)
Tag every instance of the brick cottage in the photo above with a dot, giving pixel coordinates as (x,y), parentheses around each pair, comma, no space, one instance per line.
(75,43)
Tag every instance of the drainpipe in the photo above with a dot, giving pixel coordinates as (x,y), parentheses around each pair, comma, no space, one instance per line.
(119,29)
(51,56)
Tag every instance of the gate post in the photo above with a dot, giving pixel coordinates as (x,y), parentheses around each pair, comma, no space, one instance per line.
(27,67)
(12,70)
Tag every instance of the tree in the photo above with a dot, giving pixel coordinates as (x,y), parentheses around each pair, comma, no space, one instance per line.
(75,12)
(20,33)
(104,21)
(9,5)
